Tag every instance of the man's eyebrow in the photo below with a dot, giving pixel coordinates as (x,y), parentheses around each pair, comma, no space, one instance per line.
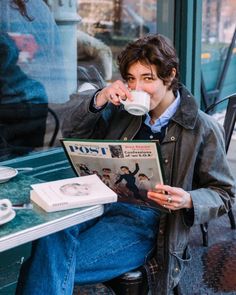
(143,75)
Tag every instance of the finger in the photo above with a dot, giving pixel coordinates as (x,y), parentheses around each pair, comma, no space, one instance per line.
(166,201)
(164,187)
(113,99)
(122,90)
(120,94)
(169,189)
(157,198)
(169,199)
(160,194)
(170,208)
(157,195)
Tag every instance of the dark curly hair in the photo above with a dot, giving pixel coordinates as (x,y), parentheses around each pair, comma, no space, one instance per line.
(153,49)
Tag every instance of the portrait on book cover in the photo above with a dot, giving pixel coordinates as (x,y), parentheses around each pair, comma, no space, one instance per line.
(75,189)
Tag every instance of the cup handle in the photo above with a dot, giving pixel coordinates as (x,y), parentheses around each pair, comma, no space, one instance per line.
(7,203)
(124,102)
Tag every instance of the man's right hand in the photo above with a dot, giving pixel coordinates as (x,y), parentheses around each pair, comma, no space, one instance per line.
(113,93)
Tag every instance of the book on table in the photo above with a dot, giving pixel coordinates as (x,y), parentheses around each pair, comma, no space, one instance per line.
(71,193)
(108,171)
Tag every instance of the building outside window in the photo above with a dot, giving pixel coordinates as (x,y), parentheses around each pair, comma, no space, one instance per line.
(218,29)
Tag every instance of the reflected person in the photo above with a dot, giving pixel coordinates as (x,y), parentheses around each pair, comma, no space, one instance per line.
(23,105)
(29,57)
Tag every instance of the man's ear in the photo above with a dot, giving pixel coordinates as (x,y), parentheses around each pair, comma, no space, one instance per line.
(173,73)
(172,76)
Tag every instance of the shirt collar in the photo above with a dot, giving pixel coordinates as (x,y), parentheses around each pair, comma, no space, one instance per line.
(165,117)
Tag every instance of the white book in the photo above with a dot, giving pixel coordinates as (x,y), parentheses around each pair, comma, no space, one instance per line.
(72,193)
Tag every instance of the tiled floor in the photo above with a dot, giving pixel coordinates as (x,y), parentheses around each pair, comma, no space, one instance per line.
(213,268)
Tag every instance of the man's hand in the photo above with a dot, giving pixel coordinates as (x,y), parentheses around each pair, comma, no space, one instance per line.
(113,93)
(172,198)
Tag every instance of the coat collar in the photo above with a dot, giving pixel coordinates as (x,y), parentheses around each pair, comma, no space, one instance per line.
(187,113)
(185,116)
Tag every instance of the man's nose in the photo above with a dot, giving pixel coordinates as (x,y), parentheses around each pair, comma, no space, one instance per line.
(138,85)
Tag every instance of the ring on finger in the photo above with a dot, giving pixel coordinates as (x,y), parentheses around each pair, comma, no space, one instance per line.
(169,199)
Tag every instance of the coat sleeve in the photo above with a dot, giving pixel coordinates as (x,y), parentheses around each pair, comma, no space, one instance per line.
(79,121)
(213,191)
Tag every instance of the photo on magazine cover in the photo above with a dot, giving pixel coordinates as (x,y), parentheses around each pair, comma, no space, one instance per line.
(129,168)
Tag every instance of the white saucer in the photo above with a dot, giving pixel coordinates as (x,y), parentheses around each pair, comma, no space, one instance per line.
(6,173)
(8,218)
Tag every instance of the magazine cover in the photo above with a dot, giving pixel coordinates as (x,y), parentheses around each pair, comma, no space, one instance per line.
(129,168)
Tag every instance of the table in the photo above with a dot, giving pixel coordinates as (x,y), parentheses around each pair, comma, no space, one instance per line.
(29,225)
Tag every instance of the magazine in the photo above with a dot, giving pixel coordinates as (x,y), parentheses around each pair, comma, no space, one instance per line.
(71,193)
(129,168)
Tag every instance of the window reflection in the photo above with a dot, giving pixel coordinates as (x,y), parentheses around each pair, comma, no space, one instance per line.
(117,22)
(32,75)
(48,55)
(218,27)
(218,21)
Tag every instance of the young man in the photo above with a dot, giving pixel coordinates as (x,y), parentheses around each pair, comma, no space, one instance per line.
(126,236)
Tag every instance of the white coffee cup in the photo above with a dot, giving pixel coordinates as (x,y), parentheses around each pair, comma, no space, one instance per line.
(140,104)
(5,208)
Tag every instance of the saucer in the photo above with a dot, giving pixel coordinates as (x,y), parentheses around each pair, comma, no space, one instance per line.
(6,173)
(8,217)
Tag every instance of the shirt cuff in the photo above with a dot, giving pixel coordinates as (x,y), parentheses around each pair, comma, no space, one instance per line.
(93,106)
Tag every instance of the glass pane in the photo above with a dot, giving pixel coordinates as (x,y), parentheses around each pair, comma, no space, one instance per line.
(218,26)
(32,76)
(115,23)
(48,52)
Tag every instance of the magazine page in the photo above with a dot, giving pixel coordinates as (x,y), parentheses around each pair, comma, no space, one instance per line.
(130,168)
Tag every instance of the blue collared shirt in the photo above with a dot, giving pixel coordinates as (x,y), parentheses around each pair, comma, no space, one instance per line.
(165,117)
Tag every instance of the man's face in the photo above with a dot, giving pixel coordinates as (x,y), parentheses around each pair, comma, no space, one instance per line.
(144,77)
(125,170)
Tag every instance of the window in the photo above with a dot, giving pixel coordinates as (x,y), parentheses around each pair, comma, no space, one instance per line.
(48,55)
(218,29)
(114,23)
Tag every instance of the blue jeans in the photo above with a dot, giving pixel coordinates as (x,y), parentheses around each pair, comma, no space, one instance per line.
(94,251)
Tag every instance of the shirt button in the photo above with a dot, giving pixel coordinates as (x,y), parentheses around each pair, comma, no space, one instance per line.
(172,138)
(151,137)
(161,232)
(166,161)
